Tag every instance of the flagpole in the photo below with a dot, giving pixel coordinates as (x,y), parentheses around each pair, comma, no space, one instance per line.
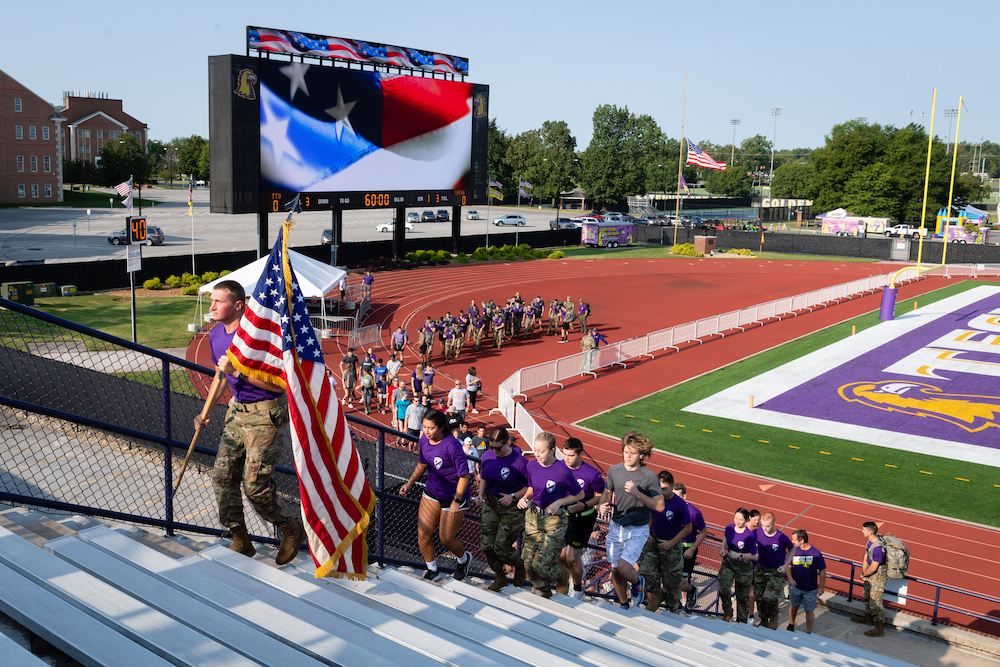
(680,162)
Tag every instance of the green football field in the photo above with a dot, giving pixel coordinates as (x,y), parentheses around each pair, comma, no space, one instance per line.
(934,484)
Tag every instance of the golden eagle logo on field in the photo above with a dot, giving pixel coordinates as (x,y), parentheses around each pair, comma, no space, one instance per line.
(972,413)
(245,81)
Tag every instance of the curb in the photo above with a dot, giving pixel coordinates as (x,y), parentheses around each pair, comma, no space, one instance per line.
(898,620)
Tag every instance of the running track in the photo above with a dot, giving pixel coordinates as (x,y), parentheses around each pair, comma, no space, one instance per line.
(633,297)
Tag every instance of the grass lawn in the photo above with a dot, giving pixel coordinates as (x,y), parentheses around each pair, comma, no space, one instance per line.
(160,321)
(663,252)
(933,484)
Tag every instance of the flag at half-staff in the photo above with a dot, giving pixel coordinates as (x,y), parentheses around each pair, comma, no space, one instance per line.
(276,343)
(702,159)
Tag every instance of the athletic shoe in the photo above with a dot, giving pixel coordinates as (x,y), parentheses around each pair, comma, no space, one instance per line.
(578,595)
(692,599)
(475,412)
(790,627)
(639,590)
(462,569)
(430,575)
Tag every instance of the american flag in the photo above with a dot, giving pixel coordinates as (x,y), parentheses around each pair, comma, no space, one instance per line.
(526,184)
(494,183)
(702,159)
(124,189)
(276,343)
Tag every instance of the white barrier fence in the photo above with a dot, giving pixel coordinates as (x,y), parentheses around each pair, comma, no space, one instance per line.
(584,363)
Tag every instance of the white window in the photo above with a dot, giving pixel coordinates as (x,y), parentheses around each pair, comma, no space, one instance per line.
(31,132)
(45,132)
(20,163)
(47,164)
(17,104)
(34,163)
(86,134)
(20,190)
(100,134)
(48,190)
(34,189)
(79,134)
(18,132)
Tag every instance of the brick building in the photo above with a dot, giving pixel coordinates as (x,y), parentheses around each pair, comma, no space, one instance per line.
(92,119)
(30,155)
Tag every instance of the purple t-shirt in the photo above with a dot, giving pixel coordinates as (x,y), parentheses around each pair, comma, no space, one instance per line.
(504,475)
(874,555)
(550,484)
(772,550)
(744,542)
(429,375)
(368,280)
(445,462)
(418,381)
(806,566)
(697,524)
(672,519)
(589,480)
(244,392)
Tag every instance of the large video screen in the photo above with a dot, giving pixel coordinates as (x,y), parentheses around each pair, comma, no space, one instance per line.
(331,131)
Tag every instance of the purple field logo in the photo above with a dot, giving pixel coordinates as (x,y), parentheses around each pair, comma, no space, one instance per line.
(972,413)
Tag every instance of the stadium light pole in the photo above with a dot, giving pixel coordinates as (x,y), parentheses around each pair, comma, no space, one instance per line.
(732,154)
(949,114)
(775,113)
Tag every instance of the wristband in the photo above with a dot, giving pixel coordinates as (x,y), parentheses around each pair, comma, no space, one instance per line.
(457,500)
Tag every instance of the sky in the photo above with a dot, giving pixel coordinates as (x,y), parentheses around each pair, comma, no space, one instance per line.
(821,63)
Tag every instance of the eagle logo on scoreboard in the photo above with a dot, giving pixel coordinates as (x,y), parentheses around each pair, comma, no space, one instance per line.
(245,80)
(479,106)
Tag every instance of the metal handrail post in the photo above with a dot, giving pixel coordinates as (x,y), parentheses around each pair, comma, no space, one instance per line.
(937,601)
(380,444)
(168,495)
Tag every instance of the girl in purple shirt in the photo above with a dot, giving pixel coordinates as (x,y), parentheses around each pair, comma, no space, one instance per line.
(445,499)
(739,551)
(503,484)
(552,487)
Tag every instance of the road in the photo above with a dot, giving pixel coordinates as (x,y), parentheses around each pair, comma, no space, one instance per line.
(63,234)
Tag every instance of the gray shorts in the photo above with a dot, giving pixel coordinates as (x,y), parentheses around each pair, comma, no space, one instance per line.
(804,599)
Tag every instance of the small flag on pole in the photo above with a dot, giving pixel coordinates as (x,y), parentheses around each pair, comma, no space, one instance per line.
(124,189)
(191,196)
(494,183)
(526,184)
(523,193)
(702,159)
(684,185)
(275,342)
(496,194)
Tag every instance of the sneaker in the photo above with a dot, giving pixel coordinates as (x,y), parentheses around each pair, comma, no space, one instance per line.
(430,575)
(475,412)
(578,595)
(462,569)
(692,599)
(639,590)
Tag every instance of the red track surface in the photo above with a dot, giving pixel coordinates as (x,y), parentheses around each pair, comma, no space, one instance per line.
(632,297)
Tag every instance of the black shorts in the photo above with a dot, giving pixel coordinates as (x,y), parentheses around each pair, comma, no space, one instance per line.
(579,528)
(423,348)
(689,562)
(446,502)
(565,326)
(398,346)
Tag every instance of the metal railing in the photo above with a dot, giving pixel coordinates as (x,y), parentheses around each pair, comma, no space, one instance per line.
(365,336)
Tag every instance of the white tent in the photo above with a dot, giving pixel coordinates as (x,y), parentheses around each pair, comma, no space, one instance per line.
(316,279)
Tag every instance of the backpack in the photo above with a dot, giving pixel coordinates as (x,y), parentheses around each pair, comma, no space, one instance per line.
(897,556)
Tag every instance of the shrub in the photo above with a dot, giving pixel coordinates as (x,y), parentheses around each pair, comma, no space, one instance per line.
(443,256)
(209,277)
(174,281)
(190,290)
(190,279)
(410,257)
(152,283)
(558,254)
(685,249)
(225,273)
(480,255)
(462,258)
(739,251)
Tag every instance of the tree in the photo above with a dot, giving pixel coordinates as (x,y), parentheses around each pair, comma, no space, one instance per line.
(189,154)
(525,160)
(122,159)
(497,167)
(793,179)
(872,191)
(156,152)
(204,162)
(560,165)
(756,151)
(620,155)
(79,172)
(734,182)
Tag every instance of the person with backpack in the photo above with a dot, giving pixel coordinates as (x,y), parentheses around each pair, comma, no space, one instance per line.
(875,574)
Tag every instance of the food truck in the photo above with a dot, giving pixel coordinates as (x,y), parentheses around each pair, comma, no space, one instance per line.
(607,234)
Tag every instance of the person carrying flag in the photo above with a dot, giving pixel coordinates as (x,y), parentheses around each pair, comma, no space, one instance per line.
(252,439)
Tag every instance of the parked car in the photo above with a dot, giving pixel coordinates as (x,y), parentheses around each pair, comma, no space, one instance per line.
(561,223)
(905,231)
(428,216)
(413,216)
(443,215)
(327,238)
(579,221)
(387,226)
(472,215)
(510,219)
(154,236)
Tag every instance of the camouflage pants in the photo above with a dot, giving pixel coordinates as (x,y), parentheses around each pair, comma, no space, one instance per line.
(499,528)
(251,444)
(874,588)
(544,537)
(498,337)
(583,323)
(740,573)
(663,571)
(553,324)
(767,587)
